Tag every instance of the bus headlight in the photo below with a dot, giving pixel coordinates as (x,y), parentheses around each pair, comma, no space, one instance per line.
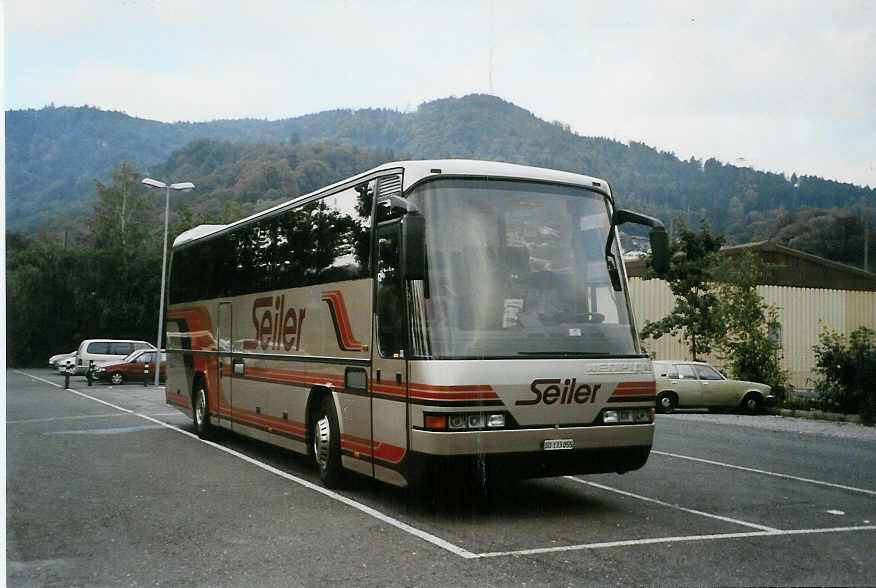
(467,421)
(475,420)
(496,421)
(456,421)
(628,416)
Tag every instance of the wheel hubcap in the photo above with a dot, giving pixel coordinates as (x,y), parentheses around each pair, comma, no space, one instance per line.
(199,407)
(117,379)
(321,440)
(665,402)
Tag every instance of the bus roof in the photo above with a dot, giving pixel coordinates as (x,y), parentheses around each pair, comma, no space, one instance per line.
(417,170)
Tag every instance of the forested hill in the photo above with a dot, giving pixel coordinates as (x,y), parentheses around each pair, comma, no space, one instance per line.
(54,154)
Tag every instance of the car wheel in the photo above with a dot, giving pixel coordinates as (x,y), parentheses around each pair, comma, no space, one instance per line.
(666,402)
(201,411)
(117,378)
(327,443)
(752,403)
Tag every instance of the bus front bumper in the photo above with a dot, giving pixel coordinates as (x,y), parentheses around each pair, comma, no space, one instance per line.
(530,440)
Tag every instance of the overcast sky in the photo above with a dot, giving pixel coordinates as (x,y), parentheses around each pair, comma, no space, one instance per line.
(780,86)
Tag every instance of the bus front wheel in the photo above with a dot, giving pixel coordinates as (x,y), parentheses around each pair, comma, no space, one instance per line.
(327,443)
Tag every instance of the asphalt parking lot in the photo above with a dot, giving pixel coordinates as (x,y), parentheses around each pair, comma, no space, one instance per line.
(107,485)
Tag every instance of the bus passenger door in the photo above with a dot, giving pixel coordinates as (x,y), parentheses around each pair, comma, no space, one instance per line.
(389,390)
(224,364)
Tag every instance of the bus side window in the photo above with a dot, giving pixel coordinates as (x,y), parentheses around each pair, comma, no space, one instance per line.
(390,304)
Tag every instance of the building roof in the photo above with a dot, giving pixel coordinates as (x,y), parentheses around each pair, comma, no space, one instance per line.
(793,268)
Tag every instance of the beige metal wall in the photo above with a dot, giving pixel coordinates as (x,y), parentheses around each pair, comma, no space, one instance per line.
(802,312)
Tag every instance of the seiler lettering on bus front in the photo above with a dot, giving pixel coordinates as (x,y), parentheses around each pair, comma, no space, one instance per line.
(557,391)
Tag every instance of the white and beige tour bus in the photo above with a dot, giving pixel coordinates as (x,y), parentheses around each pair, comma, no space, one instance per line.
(417,316)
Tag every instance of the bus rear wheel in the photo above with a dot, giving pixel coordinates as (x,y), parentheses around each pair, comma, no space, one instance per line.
(327,443)
(201,411)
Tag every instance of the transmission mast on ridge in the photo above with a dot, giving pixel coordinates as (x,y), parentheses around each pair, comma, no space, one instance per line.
(490,65)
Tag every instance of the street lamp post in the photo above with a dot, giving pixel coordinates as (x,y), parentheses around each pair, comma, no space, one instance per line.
(185,187)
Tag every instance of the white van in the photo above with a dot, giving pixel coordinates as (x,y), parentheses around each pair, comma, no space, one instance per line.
(103,350)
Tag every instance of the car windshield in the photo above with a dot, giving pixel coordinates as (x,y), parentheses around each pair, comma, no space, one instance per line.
(516,269)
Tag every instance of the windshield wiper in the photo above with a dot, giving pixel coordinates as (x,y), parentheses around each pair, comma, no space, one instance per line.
(564,353)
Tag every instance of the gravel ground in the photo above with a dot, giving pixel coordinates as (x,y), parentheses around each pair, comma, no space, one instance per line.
(782,423)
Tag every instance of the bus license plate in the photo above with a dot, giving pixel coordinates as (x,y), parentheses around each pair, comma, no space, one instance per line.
(553,444)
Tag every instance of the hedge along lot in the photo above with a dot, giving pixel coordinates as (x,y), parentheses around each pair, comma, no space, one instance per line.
(821,415)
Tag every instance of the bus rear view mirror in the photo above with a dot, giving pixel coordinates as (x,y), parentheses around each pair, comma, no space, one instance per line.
(414,246)
(658,238)
(659,249)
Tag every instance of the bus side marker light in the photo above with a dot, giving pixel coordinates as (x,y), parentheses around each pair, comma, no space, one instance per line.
(436,421)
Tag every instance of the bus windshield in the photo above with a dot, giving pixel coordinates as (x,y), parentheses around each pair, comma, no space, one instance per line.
(516,269)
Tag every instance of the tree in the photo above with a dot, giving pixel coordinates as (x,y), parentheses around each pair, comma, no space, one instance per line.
(746,343)
(690,276)
(40,298)
(119,291)
(122,213)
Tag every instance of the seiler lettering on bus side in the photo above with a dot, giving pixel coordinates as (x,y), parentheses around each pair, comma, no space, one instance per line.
(550,391)
(272,331)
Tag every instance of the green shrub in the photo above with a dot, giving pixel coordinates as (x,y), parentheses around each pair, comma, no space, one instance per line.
(847,367)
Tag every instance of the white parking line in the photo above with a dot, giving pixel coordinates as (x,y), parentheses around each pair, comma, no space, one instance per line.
(433,539)
(656,540)
(675,506)
(766,473)
(466,554)
(125,410)
(44,381)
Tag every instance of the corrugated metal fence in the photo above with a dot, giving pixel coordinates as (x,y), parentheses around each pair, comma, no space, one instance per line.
(803,313)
